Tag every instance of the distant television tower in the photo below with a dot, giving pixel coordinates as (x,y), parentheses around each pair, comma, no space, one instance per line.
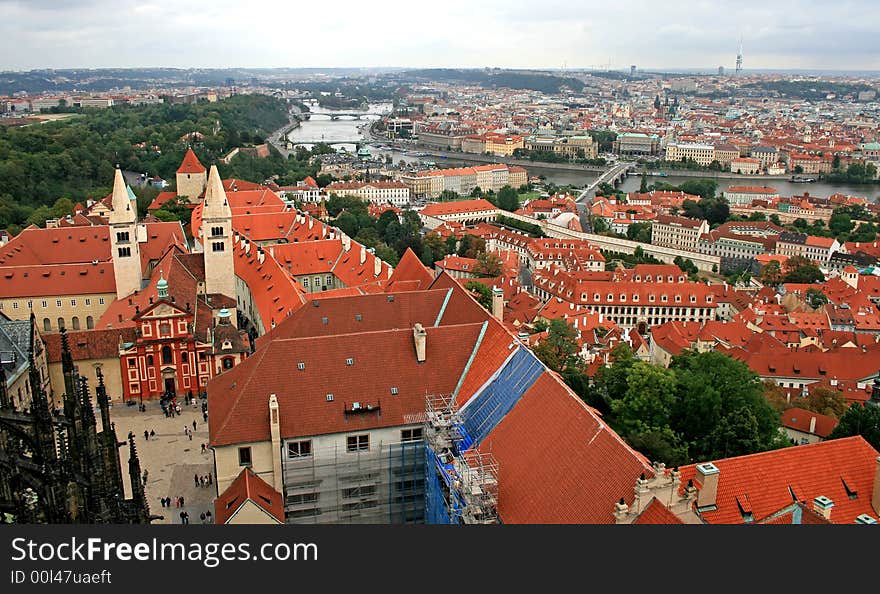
(739,57)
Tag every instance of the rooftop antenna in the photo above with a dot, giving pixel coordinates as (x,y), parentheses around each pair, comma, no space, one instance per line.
(739,57)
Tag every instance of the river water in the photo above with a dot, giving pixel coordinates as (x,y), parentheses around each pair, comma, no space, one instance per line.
(343,132)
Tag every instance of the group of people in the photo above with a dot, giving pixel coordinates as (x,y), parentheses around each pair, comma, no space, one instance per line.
(205,517)
(149,434)
(166,502)
(203,481)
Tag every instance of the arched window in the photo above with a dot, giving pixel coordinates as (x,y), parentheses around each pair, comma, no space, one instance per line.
(47,325)
(75,322)
(228,362)
(60,324)
(90,322)
(166,355)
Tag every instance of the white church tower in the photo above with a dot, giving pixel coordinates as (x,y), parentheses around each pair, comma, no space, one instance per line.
(123,240)
(216,235)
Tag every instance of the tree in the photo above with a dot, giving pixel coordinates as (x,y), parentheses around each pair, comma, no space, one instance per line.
(802,273)
(840,223)
(598,224)
(815,298)
(771,274)
(488,264)
(508,199)
(348,223)
(643,187)
(559,351)
(824,401)
(704,188)
(774,218)
(639,232)
(860,419)
(482,293)
(648,401)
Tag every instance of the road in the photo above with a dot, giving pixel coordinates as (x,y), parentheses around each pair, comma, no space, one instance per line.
(273,137)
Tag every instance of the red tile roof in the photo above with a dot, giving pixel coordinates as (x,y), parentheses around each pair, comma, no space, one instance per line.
(88,344)
(58,279)
(657,513)
(410,268)
(558,462)
(191,163)
(800,419)
(35,246)
(248,487)
(841,469)
(460,207)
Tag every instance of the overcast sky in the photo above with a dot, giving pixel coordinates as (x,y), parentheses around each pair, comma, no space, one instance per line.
(810,34)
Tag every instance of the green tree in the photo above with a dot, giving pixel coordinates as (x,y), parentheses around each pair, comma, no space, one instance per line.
(482,293)
(840,223)
(508,199)
(806,273)
(348,223)
(488,264)
(643,187)
(815,298)
(559,351)
(648,401)
(771,273)
(704,188)
(860,419)
(639,232)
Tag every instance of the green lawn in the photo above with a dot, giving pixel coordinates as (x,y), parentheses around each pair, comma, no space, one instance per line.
(523,198)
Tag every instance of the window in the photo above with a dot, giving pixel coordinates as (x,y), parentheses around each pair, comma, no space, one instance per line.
(132,362)
(164,329)
(167,357)
(90,322)
(349,361)
(30,304)
(75,322)
(244,456)
(100,301)
(58,303)
(302,498)
(47,325)
(305,282)
(361,491)
(329,280)
(329,397)
(358,443)
(394,391)
(60,324)
(299,449)
(150,360)
(124,252)
(217,232)
(122,237)
(301,365)
(411,434)
(228,362)
(73,302)
(44,304)
(88,301)
(217,246)
(15,305)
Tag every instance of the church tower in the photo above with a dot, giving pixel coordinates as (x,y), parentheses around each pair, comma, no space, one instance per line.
(216,235)
(192,177)
(123,240)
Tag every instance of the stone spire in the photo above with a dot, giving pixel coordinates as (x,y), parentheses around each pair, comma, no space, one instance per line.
(216,204)
(121,203)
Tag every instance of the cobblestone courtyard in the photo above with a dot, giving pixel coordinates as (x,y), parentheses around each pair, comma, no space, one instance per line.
(170,458)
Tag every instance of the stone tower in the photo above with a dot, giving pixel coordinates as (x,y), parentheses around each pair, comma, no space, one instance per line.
(216,235)
(123,240)
(192,177)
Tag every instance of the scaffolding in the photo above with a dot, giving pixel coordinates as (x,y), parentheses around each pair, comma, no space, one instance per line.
(382,485)
(461,484)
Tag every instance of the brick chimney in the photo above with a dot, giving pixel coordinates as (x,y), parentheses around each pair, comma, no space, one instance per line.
(822,505)
(813,425)
(875,494)
(363,254)
(420,338)
(498,303)
(621,511)
(707,477)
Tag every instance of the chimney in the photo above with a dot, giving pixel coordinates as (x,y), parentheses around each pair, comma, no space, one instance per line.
(363,254)
(621,510)
(275,433)
(420,338)
(822,505)
(707,477)
(875,494)
(813,425)
(497,303)
(377,266)
(346,242)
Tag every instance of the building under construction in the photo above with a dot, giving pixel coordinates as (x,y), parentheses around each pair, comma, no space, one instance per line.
(56,467)
(335,485)
(462,482)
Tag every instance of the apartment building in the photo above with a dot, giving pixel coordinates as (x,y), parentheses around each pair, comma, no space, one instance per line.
(703,154)
(677,232)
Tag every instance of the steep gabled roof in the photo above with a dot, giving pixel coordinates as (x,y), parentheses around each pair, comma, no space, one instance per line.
(191,163)
(410,268)
(248,487)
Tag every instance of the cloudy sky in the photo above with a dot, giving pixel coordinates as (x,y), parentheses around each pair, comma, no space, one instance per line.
(782,34)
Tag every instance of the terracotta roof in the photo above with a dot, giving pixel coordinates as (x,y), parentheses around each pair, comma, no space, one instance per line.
(841,469)
(88,344)
(800,420)
(248,487)
(657,513)
(35,246)
(59,279)
(558,462)
(460,207)
(410,268)
(239,397)
(191,163)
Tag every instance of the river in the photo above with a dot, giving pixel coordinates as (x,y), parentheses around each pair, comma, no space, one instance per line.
(340,132)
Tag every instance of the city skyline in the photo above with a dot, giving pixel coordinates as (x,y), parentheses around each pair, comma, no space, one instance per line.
(127,34)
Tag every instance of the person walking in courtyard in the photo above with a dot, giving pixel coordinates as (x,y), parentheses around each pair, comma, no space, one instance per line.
(146,435)
(196,479)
